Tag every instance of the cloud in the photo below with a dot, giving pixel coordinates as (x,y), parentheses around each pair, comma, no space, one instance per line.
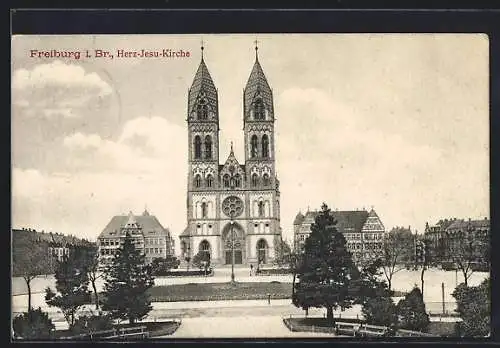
(58,89)
(325,152)
(105,178)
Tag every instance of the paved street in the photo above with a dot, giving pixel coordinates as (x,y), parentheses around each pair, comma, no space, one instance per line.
(243,327)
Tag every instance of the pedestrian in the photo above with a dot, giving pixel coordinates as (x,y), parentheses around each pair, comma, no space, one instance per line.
(268,299)
(251,269)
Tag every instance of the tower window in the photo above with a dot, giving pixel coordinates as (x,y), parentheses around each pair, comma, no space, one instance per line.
(210,180)
(265,180)
(202,110)
(208,147)
(265,146)
(197,147)
(261,209)
(225,180)
(237,180)
(259,111)
(255,180)
(197,180)
(253,146)
(203,210)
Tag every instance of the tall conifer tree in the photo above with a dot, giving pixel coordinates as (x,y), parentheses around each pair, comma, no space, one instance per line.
(326,273)
(127,282)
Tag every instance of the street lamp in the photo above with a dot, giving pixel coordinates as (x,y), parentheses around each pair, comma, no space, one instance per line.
(232,249)
(232,206)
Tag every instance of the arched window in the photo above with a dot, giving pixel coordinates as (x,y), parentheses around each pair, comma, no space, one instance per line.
(237,180)
(265,146)
(255,180)
(262,251)
(208,147)
(225,180)
(197,147)
(265,180)
(261,208)
(259,111)
(203,210)
(202,110)
(210,180)
(197,180)
(253,146)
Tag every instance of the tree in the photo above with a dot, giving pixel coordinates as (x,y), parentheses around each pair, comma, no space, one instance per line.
(283,254)
(378,307)
(91,258)
(30,259)
(87,324)
(127,280)
(411,311)
(474,307)
(466,249)
(34,324)
(326,268)
(161,265)
(71,285)
(397,249)
(202,260)
(380,311)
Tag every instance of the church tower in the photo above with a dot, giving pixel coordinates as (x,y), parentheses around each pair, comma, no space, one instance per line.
(232,209)
(259,137)
(203,158)
(258,120)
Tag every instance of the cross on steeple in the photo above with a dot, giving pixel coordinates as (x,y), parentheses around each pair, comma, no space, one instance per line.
(256,42)
(202,48)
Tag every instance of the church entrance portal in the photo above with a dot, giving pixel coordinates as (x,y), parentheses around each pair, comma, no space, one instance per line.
(233,234)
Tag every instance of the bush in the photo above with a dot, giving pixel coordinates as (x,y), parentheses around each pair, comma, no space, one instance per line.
(411,311)
(92,323)
(34,324)
(273,271)
(474,307)
(380,311)
(209,272)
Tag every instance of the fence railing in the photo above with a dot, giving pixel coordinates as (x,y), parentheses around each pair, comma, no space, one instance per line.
(355,329)
(131,332)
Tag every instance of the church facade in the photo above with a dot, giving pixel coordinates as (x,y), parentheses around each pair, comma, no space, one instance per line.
(234,205)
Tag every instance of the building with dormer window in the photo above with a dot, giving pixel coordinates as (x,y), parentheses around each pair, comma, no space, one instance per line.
(232,202)
(364,232)
(148,235)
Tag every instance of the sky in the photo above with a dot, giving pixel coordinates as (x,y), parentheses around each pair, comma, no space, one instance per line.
(397,122)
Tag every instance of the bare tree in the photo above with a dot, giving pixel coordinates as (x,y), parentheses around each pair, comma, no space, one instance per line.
(397,250)
(93,270)
(30,259)
(467,248)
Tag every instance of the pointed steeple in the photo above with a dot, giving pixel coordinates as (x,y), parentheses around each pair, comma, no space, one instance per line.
(257,85)
(202,86)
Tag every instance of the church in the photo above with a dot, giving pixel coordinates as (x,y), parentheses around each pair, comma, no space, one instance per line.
(234,205)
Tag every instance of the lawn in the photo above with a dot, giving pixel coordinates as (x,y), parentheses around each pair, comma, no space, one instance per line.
(220,291)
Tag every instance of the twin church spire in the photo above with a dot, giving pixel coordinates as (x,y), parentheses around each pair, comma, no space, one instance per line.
(203,126)
(203,88)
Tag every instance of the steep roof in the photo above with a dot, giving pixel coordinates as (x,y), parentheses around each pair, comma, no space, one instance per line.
(257,85)
(202,83)
(298,219)
(347,221)
(464,224)
(148,223)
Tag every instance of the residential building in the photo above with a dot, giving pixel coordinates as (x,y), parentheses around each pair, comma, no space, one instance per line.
(364,231)
(147,233)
